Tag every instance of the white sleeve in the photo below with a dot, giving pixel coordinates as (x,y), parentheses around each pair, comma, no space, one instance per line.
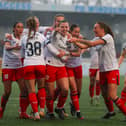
(124,46)
(22,49)
(52,49)
(43,37)
(43,40)
(41,30)
(107,38)
(89,49)
(98,47)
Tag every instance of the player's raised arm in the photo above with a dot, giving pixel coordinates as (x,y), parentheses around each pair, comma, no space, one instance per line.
(82,43)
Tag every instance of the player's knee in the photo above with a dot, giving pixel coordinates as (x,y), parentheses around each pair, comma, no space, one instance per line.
(64,93)
(92,83)
(97,81)
(74,93)
(41,86)
(112,97)
(7,92)
(24,92)
(49,97)
(104,95)
(92,79)
(7,95)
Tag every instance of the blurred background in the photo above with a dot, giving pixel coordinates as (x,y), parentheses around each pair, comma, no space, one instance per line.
(83,12)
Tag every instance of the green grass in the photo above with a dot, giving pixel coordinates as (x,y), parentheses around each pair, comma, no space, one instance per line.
(92,114)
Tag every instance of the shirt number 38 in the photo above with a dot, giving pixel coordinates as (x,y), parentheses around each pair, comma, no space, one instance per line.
(33,48)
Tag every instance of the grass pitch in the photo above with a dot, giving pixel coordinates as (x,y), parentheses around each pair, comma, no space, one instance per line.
(92,113)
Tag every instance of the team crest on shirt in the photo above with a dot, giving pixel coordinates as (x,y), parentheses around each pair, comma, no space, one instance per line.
(6,76)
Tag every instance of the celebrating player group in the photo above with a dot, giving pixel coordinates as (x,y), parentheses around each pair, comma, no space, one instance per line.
(51,61)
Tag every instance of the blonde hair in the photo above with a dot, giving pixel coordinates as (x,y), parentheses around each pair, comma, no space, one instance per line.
(31,24)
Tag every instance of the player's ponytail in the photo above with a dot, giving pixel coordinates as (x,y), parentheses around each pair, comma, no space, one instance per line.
(31,24)
(106,28)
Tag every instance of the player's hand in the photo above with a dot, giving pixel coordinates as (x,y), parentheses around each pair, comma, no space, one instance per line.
(81,36)
(65,58)
(57,29)
(118,65)
(61,54)
(69,36)
(17,46)
(8,36)
(76,54)
(73,40)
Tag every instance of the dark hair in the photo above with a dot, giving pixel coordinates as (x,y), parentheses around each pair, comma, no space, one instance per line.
(15,24)
(73,26)
(63,21)
(59,15)
(31,24)
(106,28)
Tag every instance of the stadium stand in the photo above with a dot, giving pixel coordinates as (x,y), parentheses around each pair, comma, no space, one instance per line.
(116,21)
